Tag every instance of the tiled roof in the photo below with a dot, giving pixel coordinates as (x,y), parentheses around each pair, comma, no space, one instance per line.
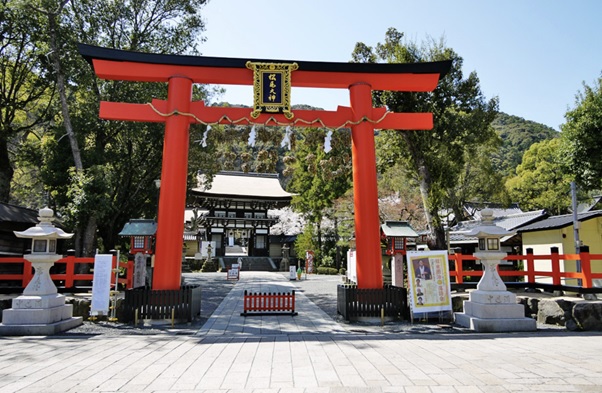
(473,209)
(556,222)
(510,222)
(398,228)
(253,185)
(139,227)
(17,214)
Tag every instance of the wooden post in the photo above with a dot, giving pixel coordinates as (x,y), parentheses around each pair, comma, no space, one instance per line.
(555,258)
(586,267)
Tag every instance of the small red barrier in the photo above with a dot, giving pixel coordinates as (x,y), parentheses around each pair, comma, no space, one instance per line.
(269,303)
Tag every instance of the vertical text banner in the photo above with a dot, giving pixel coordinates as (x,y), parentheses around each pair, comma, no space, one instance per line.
(428,278)
(101,284)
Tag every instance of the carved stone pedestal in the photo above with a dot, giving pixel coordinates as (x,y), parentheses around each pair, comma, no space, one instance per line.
(491,308)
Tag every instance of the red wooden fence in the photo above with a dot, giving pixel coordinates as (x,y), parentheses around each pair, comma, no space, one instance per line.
(270,303)
(529,273)
(68,278)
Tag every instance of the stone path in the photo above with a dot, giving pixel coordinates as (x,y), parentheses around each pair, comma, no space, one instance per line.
(306,353)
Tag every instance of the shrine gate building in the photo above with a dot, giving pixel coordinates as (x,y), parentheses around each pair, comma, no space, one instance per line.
(236,206)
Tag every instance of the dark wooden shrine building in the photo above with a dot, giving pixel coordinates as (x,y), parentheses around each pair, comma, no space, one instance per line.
(237,205)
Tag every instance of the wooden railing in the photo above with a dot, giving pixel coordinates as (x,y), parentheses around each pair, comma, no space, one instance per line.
(268,303)
(63,273)
(529,274)
(354,303)
(176,304)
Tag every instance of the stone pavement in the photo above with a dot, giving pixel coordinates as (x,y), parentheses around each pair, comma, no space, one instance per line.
(306,353)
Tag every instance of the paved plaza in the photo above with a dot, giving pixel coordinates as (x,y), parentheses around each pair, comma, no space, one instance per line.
(307,353)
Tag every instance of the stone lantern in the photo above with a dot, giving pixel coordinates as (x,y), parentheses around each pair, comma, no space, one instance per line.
(41,310)
(491,307)
(285,263)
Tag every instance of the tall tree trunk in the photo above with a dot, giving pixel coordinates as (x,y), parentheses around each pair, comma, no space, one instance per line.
(60,79)
(6,171)
(89,237)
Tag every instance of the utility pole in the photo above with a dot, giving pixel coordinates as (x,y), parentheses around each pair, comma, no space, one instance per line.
(576,227)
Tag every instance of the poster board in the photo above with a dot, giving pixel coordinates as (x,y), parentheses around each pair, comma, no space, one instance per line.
(233,272)
(101,284)
(428,281)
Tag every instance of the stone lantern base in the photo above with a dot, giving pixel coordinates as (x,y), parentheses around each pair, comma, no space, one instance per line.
(494,311)
(38,315)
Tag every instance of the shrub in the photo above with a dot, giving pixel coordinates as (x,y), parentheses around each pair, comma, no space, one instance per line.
(342,271)
(327,270)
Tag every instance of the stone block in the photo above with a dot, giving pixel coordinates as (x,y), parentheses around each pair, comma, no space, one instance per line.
(555,311)
(588,315)
(492,297)
(494,311)
(531,305)
(496,325)
(40,330)
(38,301)
(14,316)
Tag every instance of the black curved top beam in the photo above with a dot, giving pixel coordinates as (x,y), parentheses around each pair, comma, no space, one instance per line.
(90,53)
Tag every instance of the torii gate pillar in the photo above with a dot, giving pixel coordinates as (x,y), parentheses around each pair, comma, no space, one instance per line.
(172,195)
(365,191)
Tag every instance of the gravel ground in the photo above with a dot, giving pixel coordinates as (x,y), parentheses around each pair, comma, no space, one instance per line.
(322,290)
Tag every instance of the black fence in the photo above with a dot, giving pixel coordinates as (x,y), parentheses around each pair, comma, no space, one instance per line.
(354,303)
(181,304)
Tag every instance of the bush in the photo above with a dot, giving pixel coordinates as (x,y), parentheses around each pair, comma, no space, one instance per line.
(342,271)
(327,270)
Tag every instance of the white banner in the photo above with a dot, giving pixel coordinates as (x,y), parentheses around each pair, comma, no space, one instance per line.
(101,284)
(428,278)
(351,266)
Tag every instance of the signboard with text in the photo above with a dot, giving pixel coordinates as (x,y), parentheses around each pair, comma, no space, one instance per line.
(101,284)
(428,279)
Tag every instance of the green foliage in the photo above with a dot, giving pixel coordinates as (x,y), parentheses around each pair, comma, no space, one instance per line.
(517,135)
(26,91)
(120,160)
(540,182)
(582,138)
(327,270)
(435,159)
(305,241)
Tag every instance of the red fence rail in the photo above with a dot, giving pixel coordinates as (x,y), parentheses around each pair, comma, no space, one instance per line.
(556,271)
(269,303)
(64,273)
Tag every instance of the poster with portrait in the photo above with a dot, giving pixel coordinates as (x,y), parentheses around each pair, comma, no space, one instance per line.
(428,281)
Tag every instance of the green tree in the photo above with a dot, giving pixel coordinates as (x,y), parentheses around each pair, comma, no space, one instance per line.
(435,159)
(540,181)
(26,90)
(318,177)
(119,160)
(517,135)
(582,138)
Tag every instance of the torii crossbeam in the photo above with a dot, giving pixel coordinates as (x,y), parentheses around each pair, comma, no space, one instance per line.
(179,111)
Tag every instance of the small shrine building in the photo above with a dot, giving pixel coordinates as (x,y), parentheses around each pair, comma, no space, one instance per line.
(237,205)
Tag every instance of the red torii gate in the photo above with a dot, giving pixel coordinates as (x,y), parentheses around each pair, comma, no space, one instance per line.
(179,111)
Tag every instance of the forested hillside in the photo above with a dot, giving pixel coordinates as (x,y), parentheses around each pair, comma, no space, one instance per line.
(517,136)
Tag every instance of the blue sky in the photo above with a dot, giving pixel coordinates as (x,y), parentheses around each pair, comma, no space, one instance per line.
(533,54)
